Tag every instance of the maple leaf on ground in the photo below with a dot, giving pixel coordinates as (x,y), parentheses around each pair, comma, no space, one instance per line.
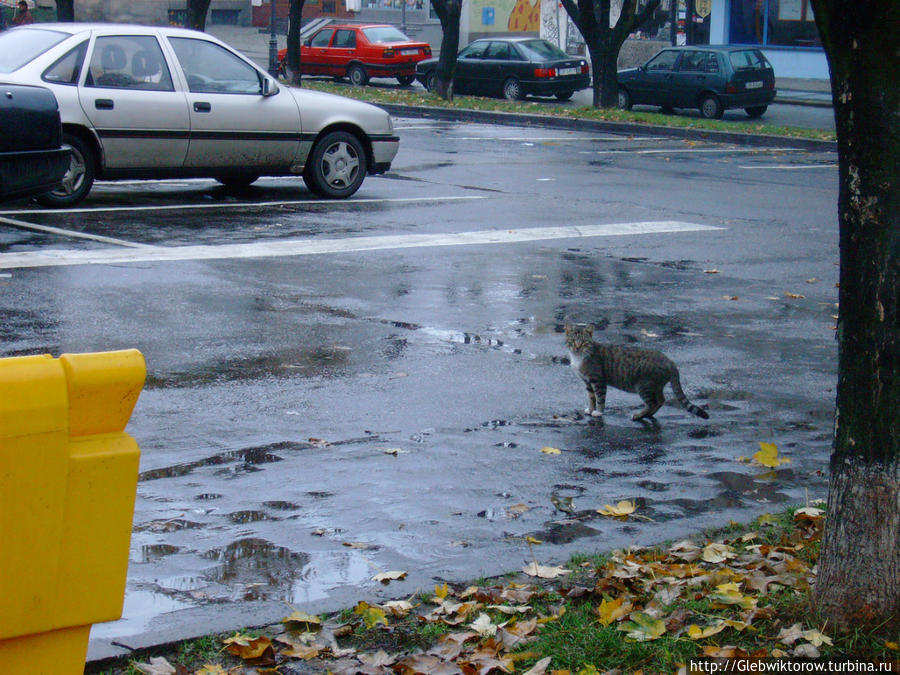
(302,622)
(790,635)
(642,627)
(372,616)
(717,553)
(484,626)
(398,608)
(533,569)
(621,510)
(387,577)
(250,648)
(697,633)
(612,610)
(768,456)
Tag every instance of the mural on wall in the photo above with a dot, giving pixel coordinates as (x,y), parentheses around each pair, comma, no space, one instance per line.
(505,16)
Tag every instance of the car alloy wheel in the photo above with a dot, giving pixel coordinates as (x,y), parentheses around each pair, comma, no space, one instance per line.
(624,99)
(79,177)
(711,108)
(431,80)
(337,165)
(512,90)
(357,75)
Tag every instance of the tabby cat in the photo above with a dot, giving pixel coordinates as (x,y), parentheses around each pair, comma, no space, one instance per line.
(640,371)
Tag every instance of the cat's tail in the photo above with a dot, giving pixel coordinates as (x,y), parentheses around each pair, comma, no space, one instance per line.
(683,399)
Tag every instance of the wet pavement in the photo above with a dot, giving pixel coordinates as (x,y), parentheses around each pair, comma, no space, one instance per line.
(313,419)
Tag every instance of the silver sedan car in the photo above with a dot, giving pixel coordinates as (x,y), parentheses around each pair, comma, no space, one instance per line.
(161,102)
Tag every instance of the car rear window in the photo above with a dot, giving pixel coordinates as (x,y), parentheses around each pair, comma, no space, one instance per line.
(381,34)
(748,59)
(541,49)
(22,45)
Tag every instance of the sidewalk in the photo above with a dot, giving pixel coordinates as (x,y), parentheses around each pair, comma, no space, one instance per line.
(254,43)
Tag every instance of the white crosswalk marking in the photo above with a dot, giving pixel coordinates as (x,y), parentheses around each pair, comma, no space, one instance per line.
(297,247)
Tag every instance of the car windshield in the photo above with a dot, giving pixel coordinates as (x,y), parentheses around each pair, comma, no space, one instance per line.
(748,59)
(384,34)
(541,50)
(21,45)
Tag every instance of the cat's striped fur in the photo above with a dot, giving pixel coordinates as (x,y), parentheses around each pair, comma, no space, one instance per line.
(640,371)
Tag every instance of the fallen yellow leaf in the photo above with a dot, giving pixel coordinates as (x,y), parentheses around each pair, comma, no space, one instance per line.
(768,456)
(388,577)
(697,633)
(621,510)
(533,569)
(551,451)
(612,610)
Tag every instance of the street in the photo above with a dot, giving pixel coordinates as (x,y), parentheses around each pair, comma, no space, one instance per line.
(338,389)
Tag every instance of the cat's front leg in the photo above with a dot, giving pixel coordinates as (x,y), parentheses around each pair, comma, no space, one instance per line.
(597,389)
(592,399)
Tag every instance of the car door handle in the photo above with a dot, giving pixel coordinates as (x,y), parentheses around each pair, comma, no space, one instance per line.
(104,104)
(202,106)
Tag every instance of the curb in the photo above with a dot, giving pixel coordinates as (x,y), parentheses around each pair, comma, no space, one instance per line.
(547,121)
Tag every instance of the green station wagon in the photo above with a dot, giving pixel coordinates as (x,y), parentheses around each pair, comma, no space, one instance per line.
(710,78)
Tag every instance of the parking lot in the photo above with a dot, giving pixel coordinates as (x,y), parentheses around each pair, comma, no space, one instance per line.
(340,388)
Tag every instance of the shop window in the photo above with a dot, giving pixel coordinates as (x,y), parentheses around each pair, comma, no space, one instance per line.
(787,23)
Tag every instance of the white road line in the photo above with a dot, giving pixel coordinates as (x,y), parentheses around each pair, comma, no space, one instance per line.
(243,205)
(22,225)
(297,247)
(556,139)
(677,150)
(789,167)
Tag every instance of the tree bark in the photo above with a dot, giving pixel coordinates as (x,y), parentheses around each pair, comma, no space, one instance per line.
(65,10)
(196,14)
(604,41)
(859,565)
(295,19)
(448,12)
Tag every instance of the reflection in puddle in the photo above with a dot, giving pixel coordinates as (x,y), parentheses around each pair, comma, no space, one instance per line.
(257,569)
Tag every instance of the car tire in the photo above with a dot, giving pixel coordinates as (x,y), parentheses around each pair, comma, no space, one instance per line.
(431,80)
(711,108)
(79,177)
(564,95)
(624,100)
(357,75)
(336,166)
(405,80)
(512,90)
(756,111)
(237,180)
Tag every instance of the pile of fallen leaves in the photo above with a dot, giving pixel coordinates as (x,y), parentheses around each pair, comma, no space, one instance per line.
(729,598)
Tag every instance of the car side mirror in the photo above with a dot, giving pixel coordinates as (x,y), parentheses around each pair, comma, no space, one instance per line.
(269,88)
(642,68)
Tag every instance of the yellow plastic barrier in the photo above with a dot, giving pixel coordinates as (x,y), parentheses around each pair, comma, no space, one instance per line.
(68,477)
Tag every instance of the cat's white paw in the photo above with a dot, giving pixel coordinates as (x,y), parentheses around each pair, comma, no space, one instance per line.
(596,413)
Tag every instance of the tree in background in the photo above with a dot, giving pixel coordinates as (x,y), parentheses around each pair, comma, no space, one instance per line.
(448,12)
(292,60)
(858,580)
(196,14)
(65,10)
(604,40)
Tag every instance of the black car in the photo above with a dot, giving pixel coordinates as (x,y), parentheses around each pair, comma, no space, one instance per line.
(32,158)
(710,78)
(513,68)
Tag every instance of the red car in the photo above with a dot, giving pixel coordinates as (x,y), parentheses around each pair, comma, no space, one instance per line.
(359,52)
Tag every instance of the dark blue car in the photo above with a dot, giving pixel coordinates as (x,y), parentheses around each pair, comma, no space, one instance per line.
(512,68)
(710,78)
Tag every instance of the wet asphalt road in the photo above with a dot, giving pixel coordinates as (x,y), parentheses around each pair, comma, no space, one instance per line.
(364,400)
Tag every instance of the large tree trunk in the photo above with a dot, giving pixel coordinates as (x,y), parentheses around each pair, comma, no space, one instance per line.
(196,14)
(604,76)
(65,10)
(295,18)
(592,17)
(859,565)
(448,12)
